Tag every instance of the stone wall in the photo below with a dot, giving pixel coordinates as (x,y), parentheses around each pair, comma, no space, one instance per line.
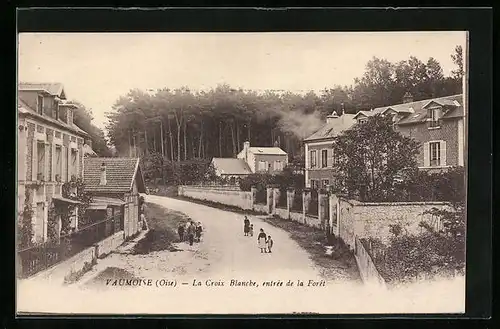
(109,244)
(296,217)
(373,220)
(312,221)
(230,197)
(367,269)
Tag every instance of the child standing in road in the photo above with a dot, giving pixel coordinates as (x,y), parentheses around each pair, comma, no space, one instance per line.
(251,229)
(269,243)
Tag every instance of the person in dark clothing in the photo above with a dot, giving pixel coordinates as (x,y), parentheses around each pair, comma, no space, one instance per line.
(269,243)
(246,227)
(180,230)
(191,231)
(199,229)
(262,241)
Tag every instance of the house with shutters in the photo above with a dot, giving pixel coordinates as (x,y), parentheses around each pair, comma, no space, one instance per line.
(319,169)
(50,151)
(115,184)
(251,159)
(437,123)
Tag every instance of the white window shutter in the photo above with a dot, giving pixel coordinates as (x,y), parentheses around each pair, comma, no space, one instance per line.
(427,151)
(442,147)
(330,158)
(64,159)
(46,162)
(53,164)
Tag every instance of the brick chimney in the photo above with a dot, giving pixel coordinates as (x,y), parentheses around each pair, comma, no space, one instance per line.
(407,98)
(103,181)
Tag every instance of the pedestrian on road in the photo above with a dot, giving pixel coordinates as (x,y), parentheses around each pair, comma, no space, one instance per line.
(180,230)
(251,229)
(262,241)
(199,229)
(246,227)
(191,231)
(270,243)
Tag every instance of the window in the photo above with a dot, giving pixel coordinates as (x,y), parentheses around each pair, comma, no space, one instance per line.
(435,116)
(435,154)
(324,158)
(314,184)
(73,163)
(262,165)
(278,165)
(56,109)
(40,147)
(325,183)
(66,169)
(58,163)
(313,158)
(39,104)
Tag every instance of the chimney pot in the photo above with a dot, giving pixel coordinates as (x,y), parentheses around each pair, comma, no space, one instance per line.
(103,180)
(246,146)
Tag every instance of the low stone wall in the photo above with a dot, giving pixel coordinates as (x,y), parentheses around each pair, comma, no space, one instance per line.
(259,207)
(65,269)
(370,219)
(312,221)
(374,219)
(230,197)
(109,244)
(296,216)
(367,269)
(281,212)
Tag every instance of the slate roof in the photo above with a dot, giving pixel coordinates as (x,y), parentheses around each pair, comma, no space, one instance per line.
(454,104)
(25,109)
(120,174)
(333,128)
(53,88)
(266,150)
(231,166)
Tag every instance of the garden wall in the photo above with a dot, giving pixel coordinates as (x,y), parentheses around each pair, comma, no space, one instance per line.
(373,220)
(367,269)
(77,263)
(230,197)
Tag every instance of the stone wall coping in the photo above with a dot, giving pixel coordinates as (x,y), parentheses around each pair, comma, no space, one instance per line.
(290,189)
(406,203)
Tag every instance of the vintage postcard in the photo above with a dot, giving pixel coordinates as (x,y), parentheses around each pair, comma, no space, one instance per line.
(241,173)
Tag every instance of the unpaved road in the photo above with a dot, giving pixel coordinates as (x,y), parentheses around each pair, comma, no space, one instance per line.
(225,254)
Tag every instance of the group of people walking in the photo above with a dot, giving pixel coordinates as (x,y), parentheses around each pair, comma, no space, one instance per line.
(190,232)
(264,241)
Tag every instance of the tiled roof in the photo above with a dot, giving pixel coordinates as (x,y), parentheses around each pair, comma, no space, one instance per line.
(231,166)
(333,128)
(53,88)
(420,113)
(370,113)
(24,108)
(120,174)
(266,150)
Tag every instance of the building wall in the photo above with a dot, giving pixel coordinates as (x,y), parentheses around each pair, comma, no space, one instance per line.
(318,172)
(448,132)
(254,161)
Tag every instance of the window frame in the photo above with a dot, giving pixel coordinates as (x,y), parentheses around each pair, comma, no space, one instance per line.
(313,159)
(40,168)
(437,151)
(39,104)
(324,161)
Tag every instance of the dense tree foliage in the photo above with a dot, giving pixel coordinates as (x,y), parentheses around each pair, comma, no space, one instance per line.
(370,158)
(215,123)
(83,118)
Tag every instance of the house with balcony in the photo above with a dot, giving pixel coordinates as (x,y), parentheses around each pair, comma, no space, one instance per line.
(437,123)
(50,151)
(251,159)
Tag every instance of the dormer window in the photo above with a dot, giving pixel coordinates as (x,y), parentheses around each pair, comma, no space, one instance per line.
(39,104)
(435,117)
(362,120)
(56,109)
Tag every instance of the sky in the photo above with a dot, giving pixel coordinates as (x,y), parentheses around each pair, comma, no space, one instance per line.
(97,68)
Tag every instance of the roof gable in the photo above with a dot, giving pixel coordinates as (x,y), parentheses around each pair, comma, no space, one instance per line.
(120,174)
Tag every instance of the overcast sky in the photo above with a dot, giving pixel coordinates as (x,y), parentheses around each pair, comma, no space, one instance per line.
(97,68)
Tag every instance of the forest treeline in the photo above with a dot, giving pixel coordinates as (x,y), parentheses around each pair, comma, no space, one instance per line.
(216,123)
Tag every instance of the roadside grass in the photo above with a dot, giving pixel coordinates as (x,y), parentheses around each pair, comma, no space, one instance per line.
(162,223)
(340,264)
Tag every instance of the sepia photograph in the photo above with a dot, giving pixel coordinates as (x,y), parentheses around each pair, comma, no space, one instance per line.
(241,173)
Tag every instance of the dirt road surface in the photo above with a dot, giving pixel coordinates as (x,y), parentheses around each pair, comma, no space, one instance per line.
(225,254)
